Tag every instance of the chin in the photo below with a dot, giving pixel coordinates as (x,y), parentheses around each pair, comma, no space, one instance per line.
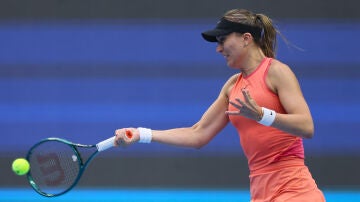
(231,65)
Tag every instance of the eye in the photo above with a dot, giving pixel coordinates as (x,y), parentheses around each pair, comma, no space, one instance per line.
(221,39)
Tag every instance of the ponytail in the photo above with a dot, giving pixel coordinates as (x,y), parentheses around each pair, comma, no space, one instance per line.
(267,42)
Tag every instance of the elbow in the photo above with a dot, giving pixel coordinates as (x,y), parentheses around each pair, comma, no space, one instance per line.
(308,133)
(198,141)
(304,131)
(199,144)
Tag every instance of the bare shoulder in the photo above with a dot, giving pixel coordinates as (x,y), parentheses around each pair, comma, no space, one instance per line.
(233,78)
(279,74)
(277,67)
(229,84)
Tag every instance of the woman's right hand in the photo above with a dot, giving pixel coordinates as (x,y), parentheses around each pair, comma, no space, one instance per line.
(126,136)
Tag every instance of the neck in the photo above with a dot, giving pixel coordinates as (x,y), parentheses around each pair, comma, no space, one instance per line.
(253,60)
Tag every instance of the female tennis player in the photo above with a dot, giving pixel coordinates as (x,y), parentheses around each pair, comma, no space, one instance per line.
(265,104)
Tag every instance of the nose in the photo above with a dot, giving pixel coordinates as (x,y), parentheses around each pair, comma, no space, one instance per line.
(219,48)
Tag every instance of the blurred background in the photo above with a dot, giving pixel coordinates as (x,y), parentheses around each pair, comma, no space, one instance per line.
(81,69)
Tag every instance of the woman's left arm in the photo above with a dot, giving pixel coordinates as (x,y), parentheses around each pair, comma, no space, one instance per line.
(297,120)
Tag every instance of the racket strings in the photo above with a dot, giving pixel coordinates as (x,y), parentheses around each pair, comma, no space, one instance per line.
(54,167)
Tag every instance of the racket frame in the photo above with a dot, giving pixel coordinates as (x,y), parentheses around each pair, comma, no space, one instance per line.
(82,165)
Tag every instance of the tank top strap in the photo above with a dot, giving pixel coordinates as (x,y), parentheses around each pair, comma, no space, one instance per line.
(264,67)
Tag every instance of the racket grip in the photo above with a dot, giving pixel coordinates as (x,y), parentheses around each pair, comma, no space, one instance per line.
(106,144)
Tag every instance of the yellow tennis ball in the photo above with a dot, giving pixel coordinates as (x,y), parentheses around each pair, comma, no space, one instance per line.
(20,166)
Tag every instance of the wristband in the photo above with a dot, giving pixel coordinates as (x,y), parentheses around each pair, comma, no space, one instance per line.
(145,135)
(268,117)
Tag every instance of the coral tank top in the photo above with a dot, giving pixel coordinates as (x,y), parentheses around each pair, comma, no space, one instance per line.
(266,148)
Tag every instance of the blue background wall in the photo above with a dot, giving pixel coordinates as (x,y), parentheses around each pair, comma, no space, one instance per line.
(81,80)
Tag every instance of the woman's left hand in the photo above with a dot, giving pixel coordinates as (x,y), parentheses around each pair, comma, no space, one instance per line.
(247,108)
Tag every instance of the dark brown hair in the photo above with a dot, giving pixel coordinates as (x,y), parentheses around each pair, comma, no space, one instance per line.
(267,42)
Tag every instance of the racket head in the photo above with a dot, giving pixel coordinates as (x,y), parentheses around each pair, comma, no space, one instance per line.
(55,166)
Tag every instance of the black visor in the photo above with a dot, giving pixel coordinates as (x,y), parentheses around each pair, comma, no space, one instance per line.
(225,27)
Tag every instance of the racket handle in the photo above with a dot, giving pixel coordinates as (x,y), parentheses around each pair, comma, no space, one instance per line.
(106,144)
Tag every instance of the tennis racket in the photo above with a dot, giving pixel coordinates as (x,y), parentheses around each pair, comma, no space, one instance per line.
(56,165)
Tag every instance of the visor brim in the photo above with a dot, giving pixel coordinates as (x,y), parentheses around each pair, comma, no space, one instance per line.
(211,35)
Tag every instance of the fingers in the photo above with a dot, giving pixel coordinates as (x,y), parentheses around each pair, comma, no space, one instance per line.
(232,112)
(123,137)
(118,137)
(247,107)
(246,95)
(237,105)
(248,98)
(250,103)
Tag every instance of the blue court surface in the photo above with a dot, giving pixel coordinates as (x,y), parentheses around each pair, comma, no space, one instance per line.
(158,195)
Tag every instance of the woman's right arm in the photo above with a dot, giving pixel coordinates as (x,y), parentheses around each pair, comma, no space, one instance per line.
(196,136)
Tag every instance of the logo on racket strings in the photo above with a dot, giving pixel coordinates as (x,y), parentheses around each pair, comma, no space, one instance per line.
(51,168)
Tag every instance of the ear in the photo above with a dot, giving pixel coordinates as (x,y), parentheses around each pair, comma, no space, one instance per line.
(248,38)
